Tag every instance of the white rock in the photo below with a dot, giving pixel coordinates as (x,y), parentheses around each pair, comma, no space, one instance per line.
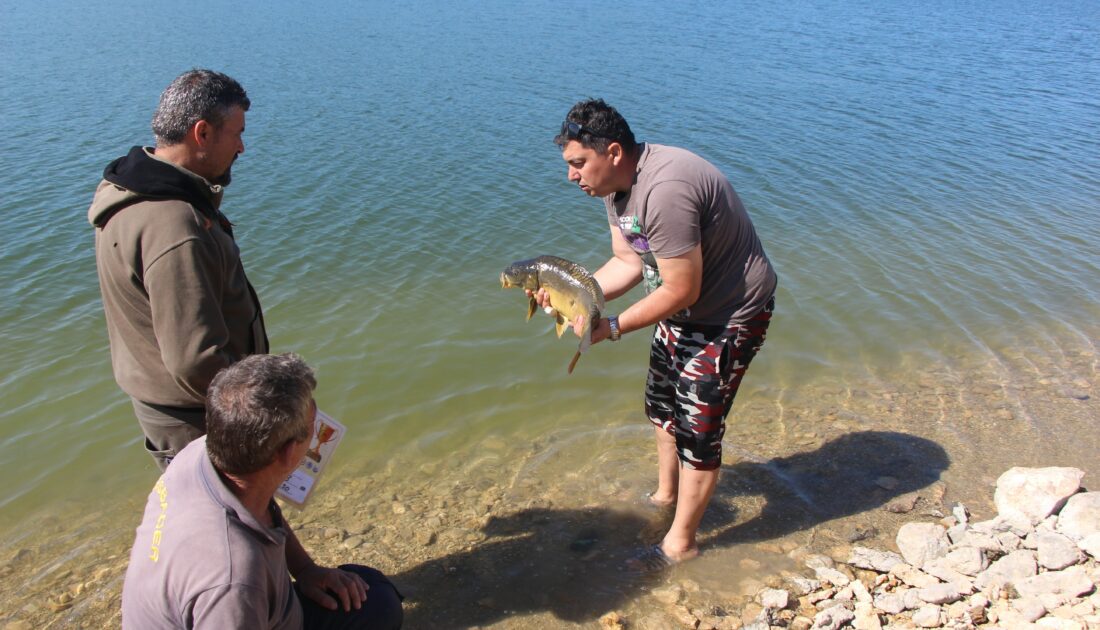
(957,533)
(1030,608)
(773,598)
(866,618)
(1080,518)
(928,617)
(942,569)
(960,513)
(1035,493)
(941,594)
(958,611)
(818,561)
(845,594)
(832,576)
(1054,623)
(967,560)
(890,603)
(1064,585)
(913,577)
(833,618)
(803,586)
(881,561)
(1057,551)
(1090,545)
(1016,565)
(912,599)
(861,593)
(1009,541)
(982,541)
(921,542)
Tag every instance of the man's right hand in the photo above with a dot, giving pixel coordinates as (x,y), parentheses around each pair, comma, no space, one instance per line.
(542,297)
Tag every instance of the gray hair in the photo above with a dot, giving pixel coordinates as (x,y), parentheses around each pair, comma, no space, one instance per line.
(193,96)
(254,407)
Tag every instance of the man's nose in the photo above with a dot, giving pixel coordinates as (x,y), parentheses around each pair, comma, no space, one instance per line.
(574,175)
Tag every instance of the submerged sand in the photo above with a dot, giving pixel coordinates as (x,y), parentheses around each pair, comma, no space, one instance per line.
(535,535)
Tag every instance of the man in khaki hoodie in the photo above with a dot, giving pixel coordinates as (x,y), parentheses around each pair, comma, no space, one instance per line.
(177,302)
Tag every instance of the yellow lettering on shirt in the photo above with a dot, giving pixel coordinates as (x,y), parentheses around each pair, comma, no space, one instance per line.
(158,528)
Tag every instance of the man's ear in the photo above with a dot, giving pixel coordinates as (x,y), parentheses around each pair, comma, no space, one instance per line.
(201,133)
(286,453)
(615,152)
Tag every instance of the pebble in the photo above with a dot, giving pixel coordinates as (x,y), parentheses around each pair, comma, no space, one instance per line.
(1020,587)
(612,621)
(902,505)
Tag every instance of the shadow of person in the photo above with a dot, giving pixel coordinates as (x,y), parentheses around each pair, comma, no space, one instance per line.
(566,562)
(851,474)
(569,562)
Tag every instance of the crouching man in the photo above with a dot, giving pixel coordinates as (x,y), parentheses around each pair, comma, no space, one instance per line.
(214,551)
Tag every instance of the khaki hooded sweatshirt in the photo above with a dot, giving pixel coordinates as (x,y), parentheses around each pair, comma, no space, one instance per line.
(177,303)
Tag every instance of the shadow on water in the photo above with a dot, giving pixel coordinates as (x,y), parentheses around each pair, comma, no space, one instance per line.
(568,562)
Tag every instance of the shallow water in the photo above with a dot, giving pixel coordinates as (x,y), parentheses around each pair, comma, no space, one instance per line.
(924,178)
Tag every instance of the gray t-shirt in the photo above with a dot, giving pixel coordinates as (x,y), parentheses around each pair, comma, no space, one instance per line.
(201,560)
(678,201)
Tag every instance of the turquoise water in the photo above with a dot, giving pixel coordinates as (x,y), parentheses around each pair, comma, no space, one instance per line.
(925,177)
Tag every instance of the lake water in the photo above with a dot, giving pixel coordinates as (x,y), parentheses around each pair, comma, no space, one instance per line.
(925,177)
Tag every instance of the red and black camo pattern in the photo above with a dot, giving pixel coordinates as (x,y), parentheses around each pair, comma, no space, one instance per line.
(694,373)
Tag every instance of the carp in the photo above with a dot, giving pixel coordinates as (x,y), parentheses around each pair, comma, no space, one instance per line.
(573,291)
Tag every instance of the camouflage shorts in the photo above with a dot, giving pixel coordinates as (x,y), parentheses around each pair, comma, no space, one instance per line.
(694,373)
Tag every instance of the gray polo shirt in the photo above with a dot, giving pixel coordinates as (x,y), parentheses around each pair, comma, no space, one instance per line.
(201,560)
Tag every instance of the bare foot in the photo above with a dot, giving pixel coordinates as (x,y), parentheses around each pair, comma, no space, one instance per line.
(661,500)
(679,555)
(654,558)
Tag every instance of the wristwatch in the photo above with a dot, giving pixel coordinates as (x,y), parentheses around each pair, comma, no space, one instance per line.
(613,324)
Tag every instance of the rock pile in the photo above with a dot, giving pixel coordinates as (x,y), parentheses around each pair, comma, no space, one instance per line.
(1033,566)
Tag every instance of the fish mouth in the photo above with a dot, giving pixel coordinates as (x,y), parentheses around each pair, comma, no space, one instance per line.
(504,284)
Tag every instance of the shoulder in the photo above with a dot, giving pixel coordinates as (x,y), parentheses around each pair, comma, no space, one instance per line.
(167,216)
(667,162)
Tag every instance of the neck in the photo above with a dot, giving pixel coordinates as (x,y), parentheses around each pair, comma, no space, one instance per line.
(255,492)
(628,169)
(181,155)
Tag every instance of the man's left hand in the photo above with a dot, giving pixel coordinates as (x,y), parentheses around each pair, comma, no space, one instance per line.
(333,588)
(601,331)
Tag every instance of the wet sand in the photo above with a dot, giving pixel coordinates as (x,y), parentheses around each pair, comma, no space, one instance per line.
(535,535)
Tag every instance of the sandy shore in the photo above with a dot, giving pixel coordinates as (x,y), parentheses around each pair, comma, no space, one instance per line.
(506,536)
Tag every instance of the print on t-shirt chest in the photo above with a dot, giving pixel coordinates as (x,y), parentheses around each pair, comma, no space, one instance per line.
(634,234)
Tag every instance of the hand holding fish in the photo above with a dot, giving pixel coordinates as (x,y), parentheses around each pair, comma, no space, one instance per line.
(570,293)
(599,333)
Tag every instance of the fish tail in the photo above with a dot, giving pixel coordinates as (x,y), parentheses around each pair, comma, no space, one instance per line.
(573,363)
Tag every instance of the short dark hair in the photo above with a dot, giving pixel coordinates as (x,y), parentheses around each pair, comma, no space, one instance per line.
(193,96)
(254,407)
(601,124)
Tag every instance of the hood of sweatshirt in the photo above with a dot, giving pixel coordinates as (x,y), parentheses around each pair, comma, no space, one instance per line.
(139,176)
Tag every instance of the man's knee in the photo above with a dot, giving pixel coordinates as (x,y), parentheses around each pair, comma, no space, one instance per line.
(382,610)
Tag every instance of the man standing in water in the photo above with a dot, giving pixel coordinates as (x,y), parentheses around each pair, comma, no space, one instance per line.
(213,549)
(177,303)
(677,224)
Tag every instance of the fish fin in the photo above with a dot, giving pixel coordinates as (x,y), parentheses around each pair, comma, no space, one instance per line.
(573,363)
(532,304)
(559,325)
(586,338)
